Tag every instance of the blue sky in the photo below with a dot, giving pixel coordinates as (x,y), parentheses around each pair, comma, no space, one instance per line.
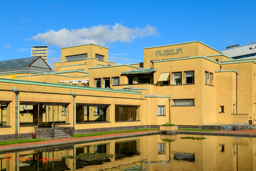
(125,27)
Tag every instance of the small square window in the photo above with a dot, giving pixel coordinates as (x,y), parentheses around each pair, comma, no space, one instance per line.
(161,148)
(177,78)
(160,110)
(98,83)
(221,109)
(217,60)
(189,77)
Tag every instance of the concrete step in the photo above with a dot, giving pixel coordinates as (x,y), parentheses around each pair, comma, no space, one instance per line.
(60,134)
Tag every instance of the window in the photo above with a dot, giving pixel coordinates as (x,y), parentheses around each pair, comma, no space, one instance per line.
(4,114)
(99,57)
(106,83)
(211,78)
(76,57)
(164,78)
(143,79)
(98,83)
(221,109)
(206,76)
(177,79)
(161,148)
(96,110)
(126,113)
(222,148)
(115,80)
(217,60)
(189,77)
(130,79)
(183,102)
(160,110)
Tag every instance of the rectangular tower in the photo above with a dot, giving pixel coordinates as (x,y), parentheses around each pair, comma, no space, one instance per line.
(37,51)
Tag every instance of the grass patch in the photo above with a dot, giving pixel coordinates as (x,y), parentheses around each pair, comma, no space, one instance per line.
(193,138)
(186,129)
(111,132)
(168,124)
(20,141)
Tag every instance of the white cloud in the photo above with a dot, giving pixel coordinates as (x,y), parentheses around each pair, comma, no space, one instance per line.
(22,49)
(96,34)
(7,46)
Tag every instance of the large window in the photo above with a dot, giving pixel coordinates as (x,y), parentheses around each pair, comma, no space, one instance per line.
(177,79)
(144,79)
(76,57)
(91,113)
(4,114)
(106,82)
(189,77)
(160,110)
(206,77)
(126,113)
(99,57)
(183,102)
(98,83)
(127,149)
(115,80)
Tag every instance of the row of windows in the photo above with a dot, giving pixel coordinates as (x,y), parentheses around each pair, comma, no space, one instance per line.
(115,81)
(189,78)
(176,102)
(244,56)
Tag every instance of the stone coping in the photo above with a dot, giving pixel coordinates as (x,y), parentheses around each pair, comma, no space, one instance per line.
(67,141)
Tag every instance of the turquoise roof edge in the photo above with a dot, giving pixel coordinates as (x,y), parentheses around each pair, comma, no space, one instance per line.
(231,62)
(243,59)
(183,43)
(84,45)
(157,96)
(230,70)
(115,66)
(72,71)
(194,57)
(19,72)
(72,65)
(45,74)
(63,86)
(219,55)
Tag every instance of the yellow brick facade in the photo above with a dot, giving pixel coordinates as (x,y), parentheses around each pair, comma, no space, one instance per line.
(201,87)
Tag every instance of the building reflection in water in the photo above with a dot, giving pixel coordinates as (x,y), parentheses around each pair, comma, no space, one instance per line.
(155,152)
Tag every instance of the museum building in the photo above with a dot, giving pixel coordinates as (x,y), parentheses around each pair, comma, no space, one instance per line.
(189,84)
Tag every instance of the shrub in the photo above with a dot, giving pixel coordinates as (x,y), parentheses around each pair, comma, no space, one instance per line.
(168,124)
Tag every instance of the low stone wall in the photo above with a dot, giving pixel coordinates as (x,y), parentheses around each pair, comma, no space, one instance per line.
(86,131)
(190,126)
(48,133)
(10,137)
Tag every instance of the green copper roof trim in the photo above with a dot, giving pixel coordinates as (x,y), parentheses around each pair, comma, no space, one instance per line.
(72,65)
(91,58)
(63,86)
(114,66)
(231,70)
(237,62)
(196,41)
(110,62)
(157,96)
(84,45)
(45,74)
(218,55)
(19,72)
(83,76)
(194,57)
(243,59)
(101,64)
(138,89)
(71,72)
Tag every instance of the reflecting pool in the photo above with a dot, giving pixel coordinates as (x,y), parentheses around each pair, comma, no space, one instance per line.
(145,153)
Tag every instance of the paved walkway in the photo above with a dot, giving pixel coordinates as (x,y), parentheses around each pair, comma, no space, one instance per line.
(64,141)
